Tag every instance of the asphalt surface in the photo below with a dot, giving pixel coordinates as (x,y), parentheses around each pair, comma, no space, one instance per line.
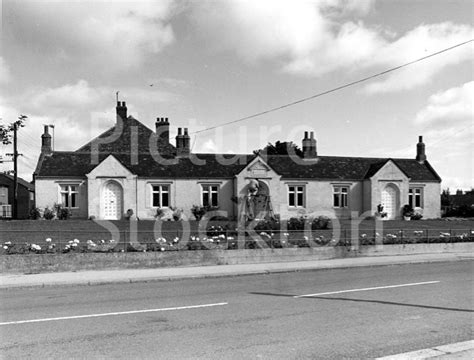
(388,310)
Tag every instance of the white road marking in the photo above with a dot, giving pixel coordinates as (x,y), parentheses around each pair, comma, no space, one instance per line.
(464,348)
(366,289)
(112,314)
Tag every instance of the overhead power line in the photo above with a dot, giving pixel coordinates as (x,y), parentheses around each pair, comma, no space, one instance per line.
(334,89)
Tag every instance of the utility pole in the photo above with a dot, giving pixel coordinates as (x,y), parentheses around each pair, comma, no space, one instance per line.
(5,140)
(15,172)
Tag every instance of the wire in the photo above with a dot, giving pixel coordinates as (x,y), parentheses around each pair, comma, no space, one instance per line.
(335,89)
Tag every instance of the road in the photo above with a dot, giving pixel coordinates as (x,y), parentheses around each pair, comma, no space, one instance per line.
(388,310)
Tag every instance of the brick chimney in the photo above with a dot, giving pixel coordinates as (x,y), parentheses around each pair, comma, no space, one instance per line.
(46,142)
(420,151)
(121,110)
(183,143)
(309,146)
(163,130)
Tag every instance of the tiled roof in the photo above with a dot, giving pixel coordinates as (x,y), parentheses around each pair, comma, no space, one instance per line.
(79,163)
(347,168)
(325,168)
(21,182)
(110,141)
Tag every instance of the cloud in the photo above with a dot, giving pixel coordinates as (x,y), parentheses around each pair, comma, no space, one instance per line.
(448,117)
(315,38)
(209,146)
(417,43)
(120,33)
(448,108)
(5,75)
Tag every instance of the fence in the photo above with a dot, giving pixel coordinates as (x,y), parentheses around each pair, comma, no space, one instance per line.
(130,240)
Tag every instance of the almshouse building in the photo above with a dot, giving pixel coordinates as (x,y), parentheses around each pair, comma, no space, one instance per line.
(130,167)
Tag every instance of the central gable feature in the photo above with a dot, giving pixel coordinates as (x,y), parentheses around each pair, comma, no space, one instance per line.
(258,168)
(110,167)
(390,171)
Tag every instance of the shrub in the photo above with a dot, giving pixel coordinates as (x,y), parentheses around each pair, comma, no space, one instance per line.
(62,212)
(408,211)
(320,223)
(416,216)
(48,213)
(296,223)
(34,213)
(200,211)
(267,225)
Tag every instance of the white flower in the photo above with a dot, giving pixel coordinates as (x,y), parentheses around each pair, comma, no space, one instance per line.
(363,236)
(162,249)
(48,240)
(8,243)
(305,237)
(5,247)
(230,238)
(76,241)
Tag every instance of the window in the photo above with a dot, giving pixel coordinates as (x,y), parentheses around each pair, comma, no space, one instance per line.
(340,196)
(160,195)
(415,197)
(210,195)
(69,196)
(3,195)
(296,195)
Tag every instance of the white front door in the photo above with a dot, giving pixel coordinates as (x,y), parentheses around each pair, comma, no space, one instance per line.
(389,201)
(112,201)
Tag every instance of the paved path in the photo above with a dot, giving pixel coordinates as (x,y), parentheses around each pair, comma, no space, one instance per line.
(136,275)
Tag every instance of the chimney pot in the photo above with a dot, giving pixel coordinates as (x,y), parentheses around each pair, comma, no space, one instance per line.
(420,138)
(179,131)
(185,131)
(312,134)
(305,134)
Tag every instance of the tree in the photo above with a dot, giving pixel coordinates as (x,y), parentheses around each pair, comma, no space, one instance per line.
(445,198)
(281,148)
(6,130)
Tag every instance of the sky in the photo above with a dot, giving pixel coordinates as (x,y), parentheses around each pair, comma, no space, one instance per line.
(205,63)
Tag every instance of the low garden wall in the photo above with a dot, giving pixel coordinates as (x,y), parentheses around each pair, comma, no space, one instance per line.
(40,263)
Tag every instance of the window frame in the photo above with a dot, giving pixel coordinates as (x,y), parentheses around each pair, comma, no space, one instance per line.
(160,193)
(69,195)
(416,193)
(293,190)
(207,189)
(342,196)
